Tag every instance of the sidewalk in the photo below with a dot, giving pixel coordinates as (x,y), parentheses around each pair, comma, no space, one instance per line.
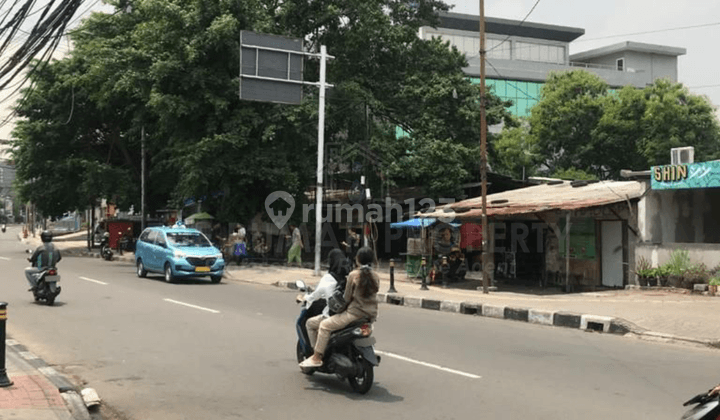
(654,313)
(659,314)
(36,390)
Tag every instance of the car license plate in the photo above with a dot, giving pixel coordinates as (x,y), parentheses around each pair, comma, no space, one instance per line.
(48,279)
(202,268)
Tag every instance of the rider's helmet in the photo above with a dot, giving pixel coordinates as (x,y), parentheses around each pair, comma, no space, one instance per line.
(46,236)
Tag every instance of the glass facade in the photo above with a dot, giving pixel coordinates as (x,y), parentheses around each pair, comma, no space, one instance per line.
(524,95)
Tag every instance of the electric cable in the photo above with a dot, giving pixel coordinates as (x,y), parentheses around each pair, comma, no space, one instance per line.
(650,32)
(519,25)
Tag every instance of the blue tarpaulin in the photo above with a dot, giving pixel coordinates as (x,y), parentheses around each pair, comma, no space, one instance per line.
(418,223)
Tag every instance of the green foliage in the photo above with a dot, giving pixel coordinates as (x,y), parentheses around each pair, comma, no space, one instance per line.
(715,281)
(573,174)
(571,104)
(679,263)
(696,273)
(579,124)
(643,268)
(516,151)
(169,69)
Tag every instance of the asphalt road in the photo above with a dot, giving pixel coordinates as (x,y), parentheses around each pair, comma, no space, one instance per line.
(195,350)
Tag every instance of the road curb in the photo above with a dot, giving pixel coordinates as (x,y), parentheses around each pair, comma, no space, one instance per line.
(66,388)
(563,319)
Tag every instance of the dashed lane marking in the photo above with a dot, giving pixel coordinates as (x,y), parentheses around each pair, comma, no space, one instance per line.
(192,306)
(5,258)
(94,281)
(430,365)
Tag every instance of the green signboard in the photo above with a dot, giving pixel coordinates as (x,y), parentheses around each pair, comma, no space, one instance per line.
(689,175)
(582,239)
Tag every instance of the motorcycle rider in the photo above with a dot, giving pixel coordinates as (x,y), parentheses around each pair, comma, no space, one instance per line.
(335,279)
(45,256)
(361,297)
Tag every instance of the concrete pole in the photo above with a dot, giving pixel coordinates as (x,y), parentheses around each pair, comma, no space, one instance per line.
(483,153)
(320,162)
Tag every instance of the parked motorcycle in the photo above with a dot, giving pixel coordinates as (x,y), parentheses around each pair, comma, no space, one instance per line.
(350,353)
(707,407)
(105,251)
(47,286)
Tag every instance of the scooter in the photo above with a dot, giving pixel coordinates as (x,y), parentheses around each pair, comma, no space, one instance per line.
(350,353)
(105,250)
(47,287)
(707,407)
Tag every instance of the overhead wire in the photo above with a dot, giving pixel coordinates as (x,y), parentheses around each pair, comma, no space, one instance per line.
(650,32)
(517,26)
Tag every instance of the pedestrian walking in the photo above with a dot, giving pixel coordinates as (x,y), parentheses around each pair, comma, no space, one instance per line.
(295,252)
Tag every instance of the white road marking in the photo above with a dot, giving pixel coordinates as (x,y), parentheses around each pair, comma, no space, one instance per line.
(5,258)
(430,365)
(192,306)
(94,281)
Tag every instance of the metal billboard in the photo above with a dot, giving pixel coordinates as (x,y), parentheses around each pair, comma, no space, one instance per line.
(271,68)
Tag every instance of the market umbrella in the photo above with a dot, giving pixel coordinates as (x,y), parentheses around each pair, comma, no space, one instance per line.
(197,217)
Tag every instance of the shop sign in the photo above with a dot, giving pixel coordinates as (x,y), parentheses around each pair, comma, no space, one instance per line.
(689,175)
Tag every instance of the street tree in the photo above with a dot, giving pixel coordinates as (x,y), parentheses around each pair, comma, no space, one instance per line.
(169,68)
(562,122)
(580,124)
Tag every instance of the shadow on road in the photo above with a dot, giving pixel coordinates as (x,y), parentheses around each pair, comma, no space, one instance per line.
(332,385)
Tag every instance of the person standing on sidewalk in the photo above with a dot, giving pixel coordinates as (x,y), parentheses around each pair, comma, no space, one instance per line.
(295,252)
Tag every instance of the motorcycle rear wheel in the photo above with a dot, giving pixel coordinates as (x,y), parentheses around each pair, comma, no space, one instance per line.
(362,384)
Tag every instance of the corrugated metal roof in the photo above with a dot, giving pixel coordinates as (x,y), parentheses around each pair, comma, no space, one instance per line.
(544,197)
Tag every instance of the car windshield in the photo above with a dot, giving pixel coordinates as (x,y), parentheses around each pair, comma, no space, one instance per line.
(188,239)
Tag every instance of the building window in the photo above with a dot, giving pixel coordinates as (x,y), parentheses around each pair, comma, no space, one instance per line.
(621,64)
(529,51)
(498,48)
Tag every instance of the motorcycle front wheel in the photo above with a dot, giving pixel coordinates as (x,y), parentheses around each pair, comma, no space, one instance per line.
(301,356)
(363,382)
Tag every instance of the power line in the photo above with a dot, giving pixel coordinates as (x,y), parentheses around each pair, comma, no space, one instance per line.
(702,87)
(519,25)
(650,32)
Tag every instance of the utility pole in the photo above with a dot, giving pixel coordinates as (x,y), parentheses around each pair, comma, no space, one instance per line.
(320,161)
(142,178)
(483,152)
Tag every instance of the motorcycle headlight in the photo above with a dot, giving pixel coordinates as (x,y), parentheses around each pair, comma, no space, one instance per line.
(179,254)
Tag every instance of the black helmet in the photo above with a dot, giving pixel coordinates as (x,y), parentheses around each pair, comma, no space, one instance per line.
(46,236)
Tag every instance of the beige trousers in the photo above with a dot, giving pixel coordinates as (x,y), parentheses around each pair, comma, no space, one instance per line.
(313,325)
(327,326)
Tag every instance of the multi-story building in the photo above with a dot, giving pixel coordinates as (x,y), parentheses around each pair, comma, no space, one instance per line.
(520,55)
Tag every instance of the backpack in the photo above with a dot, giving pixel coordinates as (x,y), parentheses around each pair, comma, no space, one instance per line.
(336,302)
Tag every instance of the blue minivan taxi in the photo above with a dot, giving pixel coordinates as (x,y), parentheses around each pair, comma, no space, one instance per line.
(177,252)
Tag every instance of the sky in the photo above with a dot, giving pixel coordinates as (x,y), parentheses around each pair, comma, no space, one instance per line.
(698,69)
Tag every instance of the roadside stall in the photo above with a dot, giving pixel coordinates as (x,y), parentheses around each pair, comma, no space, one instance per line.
(428,238)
